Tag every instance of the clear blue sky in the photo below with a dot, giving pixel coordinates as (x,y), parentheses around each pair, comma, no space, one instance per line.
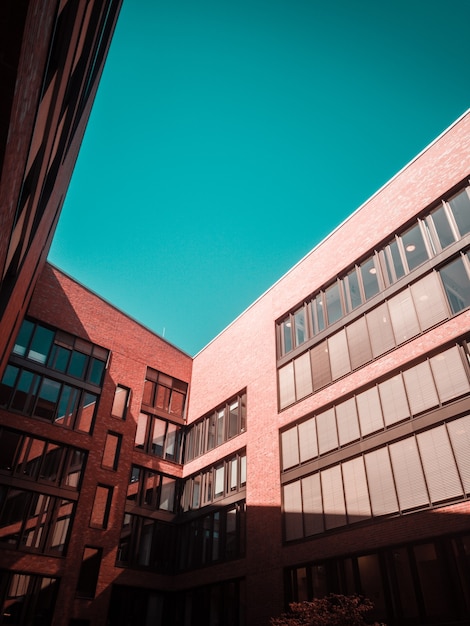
(228,137)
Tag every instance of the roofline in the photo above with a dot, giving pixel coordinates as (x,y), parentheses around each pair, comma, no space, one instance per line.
(116,308)
(389,182)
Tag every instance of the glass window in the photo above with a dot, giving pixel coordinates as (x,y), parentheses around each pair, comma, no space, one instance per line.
(308,440)
(219,481)
(158,437)
(293,511)
(397,263)
(318,318)
(77,364)
(7,384)
(290,448)
(300,329)
(67,406)
(286,327)
(460,205)
(312,505)
(333,497)
(442,226)
(408,472)
(23,338)
(121,395)
(47,399)
(41,344)
(25,389)
(233,419)
(303,376)
(87,412)
(59,358)
(355,490)
(96,371)
(170,443)
(456,285)
(352,290)
(369,278)
(333,303)
(415,249)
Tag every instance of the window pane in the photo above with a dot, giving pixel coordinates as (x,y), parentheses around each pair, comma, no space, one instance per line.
(219,480)
(442,226)
(348,425)
(318,318)
(158,436)
(120,402)
(303,376)
(27,384)
(7,384)
(23,338)
(41,344)
(293,511)
(355,490)
(312,505)
(308,440)
(439,464)
(403,316)
(456,284)
(415,250)
(290,448)
(459,433)
(233,419)
(286,328)
(59,358)
(77,364)
(358,342)
(286,385)
(333,304)
(327,434)
(300,329)
(429,301)
(396,258)
(321,372)
(369,278)
(67,406)
(177,403)
(353,293)
(96,371)
(370,413)
(87,412)
(380,330)
(394,402)
(420,388)
(171,441)
(47,399)
(339,355)
(167,497)
(408,473)
(449,374)
(333,497)
(460,205)
(381,486)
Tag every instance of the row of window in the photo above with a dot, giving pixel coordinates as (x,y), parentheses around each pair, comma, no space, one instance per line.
(218,536)
(61,352)
(424,386)
(426,238)
(39,396)
(152,490)
(40,460)
(416,583)
(416,472)
(159,437)
(213,483)
(428,301)
(34,521)
(146,542)
(220,425)
(164,393)
(23,596)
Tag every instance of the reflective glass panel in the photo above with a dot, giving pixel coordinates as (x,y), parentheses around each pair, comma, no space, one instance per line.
(300,330)
(442,226)
(415,250)
(23,338)
(333,303)
(460,206)
(41,344)
(369,278)
(456,284)
(353,293)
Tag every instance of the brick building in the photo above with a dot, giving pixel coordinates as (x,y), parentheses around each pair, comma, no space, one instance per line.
(320,443)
